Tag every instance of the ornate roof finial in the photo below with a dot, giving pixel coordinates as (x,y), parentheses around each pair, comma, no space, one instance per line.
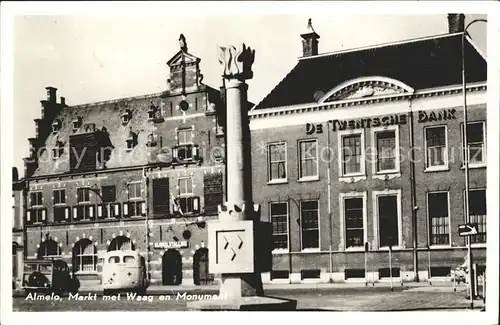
(310,28)
(183,43)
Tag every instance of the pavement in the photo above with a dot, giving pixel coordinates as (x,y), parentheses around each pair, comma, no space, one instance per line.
(295,287)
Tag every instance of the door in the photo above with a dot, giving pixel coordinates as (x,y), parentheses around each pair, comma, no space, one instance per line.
(200,267)
(171,267)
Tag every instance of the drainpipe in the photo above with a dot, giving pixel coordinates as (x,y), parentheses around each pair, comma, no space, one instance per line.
(329,199)
(146,201)
(414,207)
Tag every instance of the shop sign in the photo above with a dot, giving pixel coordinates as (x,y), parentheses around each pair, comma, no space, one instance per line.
(171,244)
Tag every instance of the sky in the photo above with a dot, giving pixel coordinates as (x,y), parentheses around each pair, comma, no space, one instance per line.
(92,58)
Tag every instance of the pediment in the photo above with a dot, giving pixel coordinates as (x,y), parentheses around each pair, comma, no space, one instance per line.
(180,56)
(365,88)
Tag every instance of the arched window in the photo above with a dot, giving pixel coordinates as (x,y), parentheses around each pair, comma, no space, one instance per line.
(121,243)
(84,256)
(49,249)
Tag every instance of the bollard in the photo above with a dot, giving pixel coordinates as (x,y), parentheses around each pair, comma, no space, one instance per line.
(390,265)
(454,282)
(366,264)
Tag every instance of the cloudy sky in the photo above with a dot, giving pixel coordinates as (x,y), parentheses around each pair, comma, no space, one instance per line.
(97,57)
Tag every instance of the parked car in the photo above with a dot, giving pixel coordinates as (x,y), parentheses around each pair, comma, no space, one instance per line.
(44,275)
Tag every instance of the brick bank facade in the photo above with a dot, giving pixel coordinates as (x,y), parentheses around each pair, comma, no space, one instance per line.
(342,182)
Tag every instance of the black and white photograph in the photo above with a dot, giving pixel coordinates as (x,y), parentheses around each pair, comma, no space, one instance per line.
(250,156)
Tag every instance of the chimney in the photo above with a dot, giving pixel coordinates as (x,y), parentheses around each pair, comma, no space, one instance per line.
(456,23)
(63,101)
(51,94)
(309,41)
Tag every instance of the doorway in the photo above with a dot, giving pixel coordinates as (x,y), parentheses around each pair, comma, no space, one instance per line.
(171,268)
(201,273)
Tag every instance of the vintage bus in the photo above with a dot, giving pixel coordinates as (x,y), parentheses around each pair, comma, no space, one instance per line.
(124,270)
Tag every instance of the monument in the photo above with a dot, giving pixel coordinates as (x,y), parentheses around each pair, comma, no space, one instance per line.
(239,243)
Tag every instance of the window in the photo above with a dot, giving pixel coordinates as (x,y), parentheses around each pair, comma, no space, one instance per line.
(185,186)
(388,219)
(352,153)
(62,214)
(184,136)
(49,248)
(161,196)
(475,141)
(84,212)
(279,221)
(308,167)
(477,213)
(309,224)
(121,243)
(277,161)
(354,221)
(36,199)
(59,196)
(83,195)
(437,210)
(386,146)
(436,147)
(108,194)
(84,256)
(134,191)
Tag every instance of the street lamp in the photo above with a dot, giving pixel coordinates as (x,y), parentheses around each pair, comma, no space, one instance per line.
(466,163)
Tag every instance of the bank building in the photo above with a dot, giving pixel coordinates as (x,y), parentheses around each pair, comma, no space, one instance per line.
(331,153)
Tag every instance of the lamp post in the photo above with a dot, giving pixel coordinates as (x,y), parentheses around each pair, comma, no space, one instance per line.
(466,163)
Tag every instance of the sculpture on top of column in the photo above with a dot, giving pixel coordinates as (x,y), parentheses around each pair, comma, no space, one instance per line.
(236,62)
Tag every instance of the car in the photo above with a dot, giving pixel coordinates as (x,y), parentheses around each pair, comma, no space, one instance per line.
(48,276)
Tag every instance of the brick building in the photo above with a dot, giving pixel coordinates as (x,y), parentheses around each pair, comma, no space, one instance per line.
(336,136)
(136,172)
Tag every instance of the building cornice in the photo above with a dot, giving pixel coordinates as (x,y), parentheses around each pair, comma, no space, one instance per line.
(311,107)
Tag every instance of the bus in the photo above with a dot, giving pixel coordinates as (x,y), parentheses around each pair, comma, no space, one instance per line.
(124,270)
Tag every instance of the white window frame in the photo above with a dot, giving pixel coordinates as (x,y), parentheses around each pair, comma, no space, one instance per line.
(485,193)
(282,250)
(376,230)
(307,178)
(83,202)
(187,194)
(310,249)
(343,234)
(429,220)
(446,152)
(381,129)
(135,198)
(36,205)
(59,190)
(78,257)
(268,162)
(362,168)
(462,158)
(178,131)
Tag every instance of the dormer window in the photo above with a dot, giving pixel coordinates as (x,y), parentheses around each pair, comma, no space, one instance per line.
(58,150)
(131,140)
(77,123)
(56,126)
(126,116)
(152,140)
(152,110)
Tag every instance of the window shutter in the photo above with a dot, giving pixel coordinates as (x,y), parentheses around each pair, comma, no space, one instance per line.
(143,208)
(116,210)
(125,209)
(44,214)
(91,211)
(194,152)
(212,189)
(196,204)
(66,213)
(75,213)
(161,196)
(99,211)
(28,216)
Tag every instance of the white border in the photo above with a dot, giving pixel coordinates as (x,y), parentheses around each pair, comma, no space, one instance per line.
(202,9)
(374,155)
(446,166)
(362,167)
(431,246)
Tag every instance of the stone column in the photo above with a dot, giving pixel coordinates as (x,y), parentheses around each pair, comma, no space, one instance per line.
(239,244)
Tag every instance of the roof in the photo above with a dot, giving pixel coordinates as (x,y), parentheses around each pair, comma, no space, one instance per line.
(420,63)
